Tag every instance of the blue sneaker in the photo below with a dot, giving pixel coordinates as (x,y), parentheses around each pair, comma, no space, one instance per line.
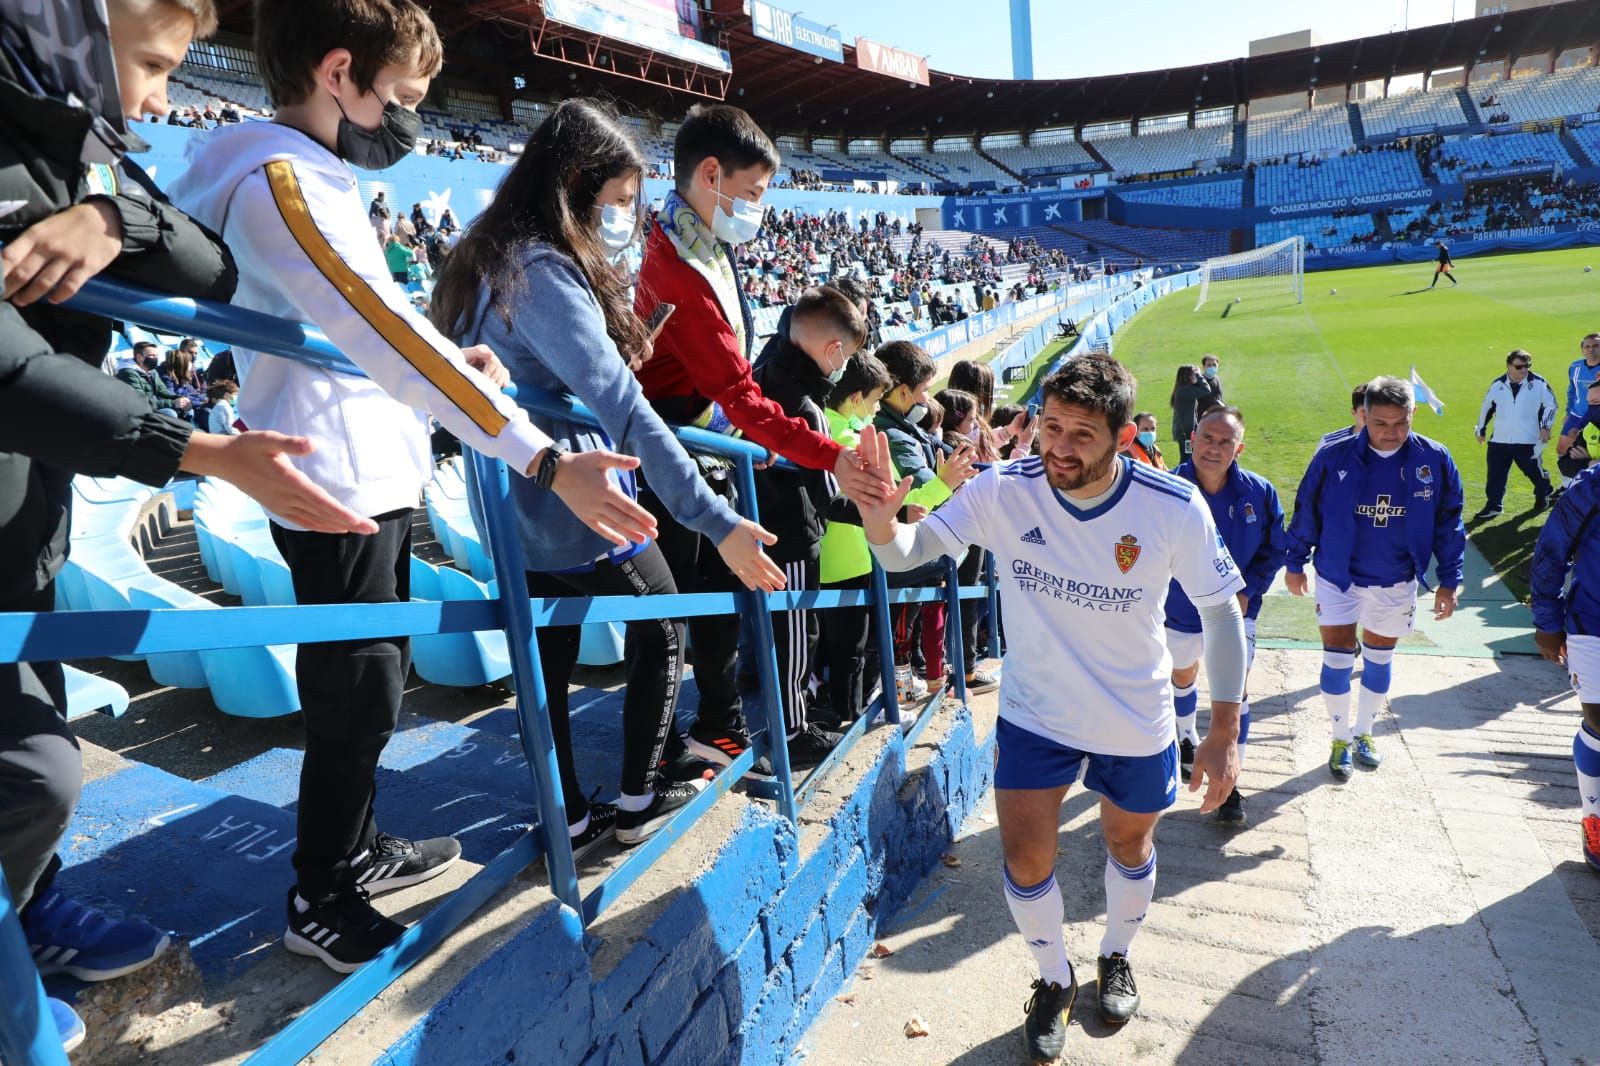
(1339,761)
(68,1024)
(1367,752)
(67,937)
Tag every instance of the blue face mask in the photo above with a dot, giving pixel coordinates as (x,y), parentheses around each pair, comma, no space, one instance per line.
(617,228)
(1147,437)
(739,226)
(1211,371)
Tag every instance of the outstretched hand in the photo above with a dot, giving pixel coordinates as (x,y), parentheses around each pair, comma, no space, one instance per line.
(741,550)
(583,486)
(257,462)
(878,517)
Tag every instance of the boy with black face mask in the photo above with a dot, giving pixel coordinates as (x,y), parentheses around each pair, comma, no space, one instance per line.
(346,77)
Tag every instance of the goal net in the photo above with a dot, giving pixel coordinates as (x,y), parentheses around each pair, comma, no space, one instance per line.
(1274,273)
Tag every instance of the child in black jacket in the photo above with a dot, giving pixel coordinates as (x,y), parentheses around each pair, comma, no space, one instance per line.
(797,371)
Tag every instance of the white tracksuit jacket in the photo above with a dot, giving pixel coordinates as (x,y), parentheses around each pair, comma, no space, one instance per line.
(1519,418)
(290,211)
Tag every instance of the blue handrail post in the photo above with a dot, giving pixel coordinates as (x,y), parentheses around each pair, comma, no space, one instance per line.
(28,1034)
(997,644)
(952,627)
(883,620)
(760,614)
(533,707)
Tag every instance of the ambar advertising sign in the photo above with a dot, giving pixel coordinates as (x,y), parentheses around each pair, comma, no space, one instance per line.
(881,59)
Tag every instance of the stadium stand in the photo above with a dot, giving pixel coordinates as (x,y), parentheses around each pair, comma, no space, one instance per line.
(1535,97)
(1020,157)
(1490,151)
(1168,150)
(1320,231)
(1150,244)
(1409,110)
(1279,134)
(1197,194)
(1353,174)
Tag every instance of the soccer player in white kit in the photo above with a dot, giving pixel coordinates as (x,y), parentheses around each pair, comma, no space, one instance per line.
(1087,543)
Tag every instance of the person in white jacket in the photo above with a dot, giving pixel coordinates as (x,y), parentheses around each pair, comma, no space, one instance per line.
(1523,408)
(284,198)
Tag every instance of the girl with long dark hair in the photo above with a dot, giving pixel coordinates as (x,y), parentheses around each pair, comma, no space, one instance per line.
(533,279)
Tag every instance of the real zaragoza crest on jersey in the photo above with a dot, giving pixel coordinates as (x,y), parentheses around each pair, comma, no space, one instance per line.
(1127,552)
(1424,475)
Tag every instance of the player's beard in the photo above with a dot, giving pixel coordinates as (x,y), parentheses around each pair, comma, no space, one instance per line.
(1079,474)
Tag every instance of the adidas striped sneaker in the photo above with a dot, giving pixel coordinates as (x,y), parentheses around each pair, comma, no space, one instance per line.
(345,932)
(393,863)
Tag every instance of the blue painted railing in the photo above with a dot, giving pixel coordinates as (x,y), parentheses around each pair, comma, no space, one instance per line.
(27,1034)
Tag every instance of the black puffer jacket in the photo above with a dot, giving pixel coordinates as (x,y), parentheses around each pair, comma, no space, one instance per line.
(59,414)
(797,504)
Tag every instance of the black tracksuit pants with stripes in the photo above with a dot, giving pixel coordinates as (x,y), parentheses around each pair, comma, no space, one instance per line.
(794,637)
(652,657)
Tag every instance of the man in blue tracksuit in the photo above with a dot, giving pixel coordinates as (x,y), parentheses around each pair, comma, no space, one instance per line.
(1250,521)
(1567,628)
(1370,513)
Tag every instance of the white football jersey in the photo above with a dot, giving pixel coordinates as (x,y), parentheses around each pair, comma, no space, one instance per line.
(1084,595)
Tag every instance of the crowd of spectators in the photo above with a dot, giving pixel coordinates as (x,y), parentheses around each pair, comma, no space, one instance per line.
(213,114)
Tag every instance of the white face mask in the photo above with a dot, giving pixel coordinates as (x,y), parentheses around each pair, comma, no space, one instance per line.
(742,224)
(617,228)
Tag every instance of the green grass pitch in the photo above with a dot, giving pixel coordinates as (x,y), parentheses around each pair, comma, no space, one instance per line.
(1290,367)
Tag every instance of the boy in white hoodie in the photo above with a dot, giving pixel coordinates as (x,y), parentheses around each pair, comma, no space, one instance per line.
(346,77)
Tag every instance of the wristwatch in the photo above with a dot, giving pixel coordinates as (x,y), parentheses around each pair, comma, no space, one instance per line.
(545,476)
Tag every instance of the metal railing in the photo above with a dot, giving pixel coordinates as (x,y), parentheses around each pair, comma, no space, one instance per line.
(27,1033)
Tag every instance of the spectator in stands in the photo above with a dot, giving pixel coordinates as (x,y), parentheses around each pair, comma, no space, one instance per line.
(346,89)
(419,221)
(1191,391)
(1523,409)
(700,374)
(230,113)
(976,380)
(60,416)
(378,208)
(1143,448)
(550,303)
(221,368)
(178,375)
(447,221)
(916,456)
(144,378)
(825,331)
(397,253)
(220,419)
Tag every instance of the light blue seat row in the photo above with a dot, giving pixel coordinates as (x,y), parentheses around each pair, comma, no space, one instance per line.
(456,659)
(445,498)
(88,694)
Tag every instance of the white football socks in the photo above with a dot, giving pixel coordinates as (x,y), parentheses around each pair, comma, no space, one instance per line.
(1129,891)
(1039,914)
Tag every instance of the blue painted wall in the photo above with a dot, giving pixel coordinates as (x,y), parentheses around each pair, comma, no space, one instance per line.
(743,958)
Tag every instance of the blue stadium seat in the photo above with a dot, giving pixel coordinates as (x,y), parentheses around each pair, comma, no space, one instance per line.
(88,694)
(456,659)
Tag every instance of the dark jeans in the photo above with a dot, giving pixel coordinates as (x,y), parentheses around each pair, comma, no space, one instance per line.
(1501,456)
(844,641)
(350,692)
(41,768)
(697,567)
(652,657)
(971,573)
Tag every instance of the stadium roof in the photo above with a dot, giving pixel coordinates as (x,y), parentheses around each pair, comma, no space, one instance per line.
(790,92)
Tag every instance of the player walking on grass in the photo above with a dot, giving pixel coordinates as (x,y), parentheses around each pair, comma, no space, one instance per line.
(1089,542)
(1370,512)
(1245,507)
(1567,629)
(1443,265)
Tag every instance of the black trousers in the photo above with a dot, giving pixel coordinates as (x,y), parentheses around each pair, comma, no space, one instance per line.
(697,567)
(41,768)
(970,572)
(794,639)
(844,647)
(652,656)
(1501,456)
(350,692)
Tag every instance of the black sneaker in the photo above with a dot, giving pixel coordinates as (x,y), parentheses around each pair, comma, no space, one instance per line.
(684,765)
(1185,757)
(602,824)
(1232,810)
(981,681)
(722,746)
(393,863)
(635,827)
(1119,996)
(1540,503)
(810,746)
(1044,1033)
(345,932)
(1487,512)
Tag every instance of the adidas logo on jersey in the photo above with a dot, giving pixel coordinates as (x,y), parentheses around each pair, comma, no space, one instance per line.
(1033,536)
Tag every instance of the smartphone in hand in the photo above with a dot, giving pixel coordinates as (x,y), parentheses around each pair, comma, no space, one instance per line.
(658,318)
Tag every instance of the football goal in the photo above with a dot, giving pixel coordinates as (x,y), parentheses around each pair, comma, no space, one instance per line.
(1269,274)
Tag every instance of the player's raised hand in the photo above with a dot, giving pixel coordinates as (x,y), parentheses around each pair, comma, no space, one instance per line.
(1216,762)
(859,481)
(878,517)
